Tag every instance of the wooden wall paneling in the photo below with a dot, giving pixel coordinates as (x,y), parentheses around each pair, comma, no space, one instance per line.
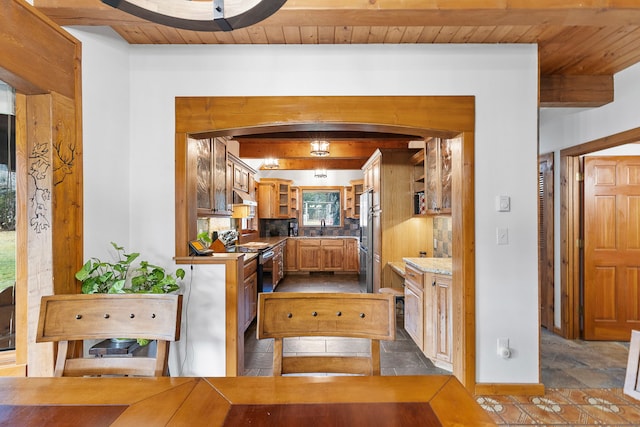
(40,218)
(66,195)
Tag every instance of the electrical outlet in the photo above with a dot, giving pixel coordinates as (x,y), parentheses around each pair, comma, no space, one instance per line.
(503,203)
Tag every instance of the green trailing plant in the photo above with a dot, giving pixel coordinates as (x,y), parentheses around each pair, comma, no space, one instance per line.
(101,277)
(151,279)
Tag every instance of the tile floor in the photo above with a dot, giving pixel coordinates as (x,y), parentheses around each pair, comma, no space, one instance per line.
(583,380)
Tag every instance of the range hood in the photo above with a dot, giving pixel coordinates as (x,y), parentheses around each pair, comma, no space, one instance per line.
(243,198)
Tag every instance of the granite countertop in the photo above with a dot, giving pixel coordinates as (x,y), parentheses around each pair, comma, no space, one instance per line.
(431,265)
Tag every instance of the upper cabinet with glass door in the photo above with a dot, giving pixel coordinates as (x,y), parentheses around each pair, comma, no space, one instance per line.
(211,177)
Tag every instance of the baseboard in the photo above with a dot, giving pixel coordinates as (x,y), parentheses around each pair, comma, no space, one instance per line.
(498,389)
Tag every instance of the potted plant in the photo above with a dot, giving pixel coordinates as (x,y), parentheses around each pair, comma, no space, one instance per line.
(99,276)
(113,277)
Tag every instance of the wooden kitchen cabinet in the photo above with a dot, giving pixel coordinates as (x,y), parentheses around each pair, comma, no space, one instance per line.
(414,309)
(441,312)
(418,182)
(352,198)
(351,255)
(438,176)
(277,273)
(428,311)
(338,254)
(241,180)
(309,255)
(294,204)
(212,196)
(332,254)
(274,198)
(291,256)
(250,299)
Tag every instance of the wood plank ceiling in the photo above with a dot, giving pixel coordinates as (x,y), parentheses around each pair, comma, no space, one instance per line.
(581,43)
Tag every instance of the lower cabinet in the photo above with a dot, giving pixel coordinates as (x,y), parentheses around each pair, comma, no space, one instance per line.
(309,255)
(277,273)
(414,306)
(332,254)
(428,314)
(337,254)
(291,255)
(250,292)
(442,320)
(351,256)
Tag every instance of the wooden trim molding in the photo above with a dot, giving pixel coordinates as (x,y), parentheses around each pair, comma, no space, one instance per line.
(426,116)
(493,389)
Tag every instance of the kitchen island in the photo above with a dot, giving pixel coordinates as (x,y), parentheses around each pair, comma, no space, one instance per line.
(218,304)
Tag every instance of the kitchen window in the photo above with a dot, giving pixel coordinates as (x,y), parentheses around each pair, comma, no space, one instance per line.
(321,206)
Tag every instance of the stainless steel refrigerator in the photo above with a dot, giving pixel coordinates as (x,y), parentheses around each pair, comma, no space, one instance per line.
(366,242)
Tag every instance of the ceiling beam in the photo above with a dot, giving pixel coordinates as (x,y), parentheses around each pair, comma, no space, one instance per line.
(320,163)
(388,13)
(575,91)
(260,148)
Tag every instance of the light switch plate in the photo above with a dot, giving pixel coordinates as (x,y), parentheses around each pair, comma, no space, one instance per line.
(503,203)
(502,236)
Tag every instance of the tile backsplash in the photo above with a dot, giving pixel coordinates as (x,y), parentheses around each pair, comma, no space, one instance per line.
(442,237)
(280,227)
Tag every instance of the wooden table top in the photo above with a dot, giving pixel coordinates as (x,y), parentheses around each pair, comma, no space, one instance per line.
(231,401)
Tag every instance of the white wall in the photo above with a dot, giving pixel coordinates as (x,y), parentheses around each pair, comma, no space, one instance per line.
(106,155)
(503,78)
(561,128)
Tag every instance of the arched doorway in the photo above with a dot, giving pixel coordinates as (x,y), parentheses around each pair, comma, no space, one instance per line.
(426,116)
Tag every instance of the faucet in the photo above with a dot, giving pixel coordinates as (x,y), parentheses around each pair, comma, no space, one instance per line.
(322,226)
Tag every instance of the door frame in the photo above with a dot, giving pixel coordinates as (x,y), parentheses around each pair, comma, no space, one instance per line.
(570,225)
(426,116)
(546,265)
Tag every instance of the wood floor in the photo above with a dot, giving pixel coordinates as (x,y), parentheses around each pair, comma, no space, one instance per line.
(583,380)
